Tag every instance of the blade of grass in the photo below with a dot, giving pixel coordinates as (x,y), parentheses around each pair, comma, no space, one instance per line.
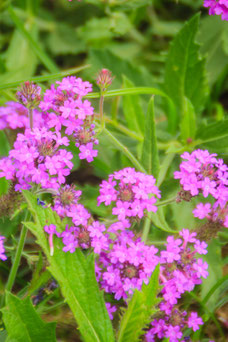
(45,78)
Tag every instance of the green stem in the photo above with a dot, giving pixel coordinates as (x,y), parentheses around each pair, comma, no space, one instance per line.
(146,228)
(123,129)
(168,201)
(17,258)
(101,108)
(125,150)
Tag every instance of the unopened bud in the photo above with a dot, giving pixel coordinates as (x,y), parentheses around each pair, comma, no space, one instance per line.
(104,79)
(29,94)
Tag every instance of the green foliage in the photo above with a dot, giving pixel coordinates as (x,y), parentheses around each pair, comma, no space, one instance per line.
(76,277)
(140,308)
(132,109)
(185,69)
(22,322)
(150,158)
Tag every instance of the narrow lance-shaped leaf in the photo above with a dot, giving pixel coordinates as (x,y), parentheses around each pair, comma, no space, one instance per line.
(185,69)
(22,322)
(150,158)
(188,121)
(76,277)
(132,109)
(139,311)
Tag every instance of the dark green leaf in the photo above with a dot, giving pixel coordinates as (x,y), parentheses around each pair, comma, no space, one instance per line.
(22,322)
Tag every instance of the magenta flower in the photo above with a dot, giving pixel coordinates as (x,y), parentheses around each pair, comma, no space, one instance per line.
(2,249)
(219,7)
(194,321)
(201,268)
(87,152)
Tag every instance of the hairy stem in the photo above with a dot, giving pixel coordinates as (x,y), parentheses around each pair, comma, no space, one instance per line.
(31,118)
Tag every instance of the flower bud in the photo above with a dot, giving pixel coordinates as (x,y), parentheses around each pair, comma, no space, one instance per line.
(29,94)
(104,79)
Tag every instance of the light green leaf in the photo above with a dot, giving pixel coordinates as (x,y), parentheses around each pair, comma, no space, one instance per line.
(150,158)
(139,310)
(188,121)
(76,277)
(185,69)
(22,322)
(132,109)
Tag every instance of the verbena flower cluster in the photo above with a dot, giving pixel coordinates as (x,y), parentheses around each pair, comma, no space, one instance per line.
(37,158)
(63,108)
(132,192)
(202,173)
(218,7)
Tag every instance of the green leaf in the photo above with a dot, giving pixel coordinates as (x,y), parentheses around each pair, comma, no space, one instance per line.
(188,121)
(22,322)
(185,70)
(211,132)
(213,35)
(76,277)
(139,310)
(132,109)
(150,158)
(41,54)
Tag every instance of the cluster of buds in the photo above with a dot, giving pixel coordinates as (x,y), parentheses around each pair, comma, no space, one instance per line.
(29,95)
(104,79)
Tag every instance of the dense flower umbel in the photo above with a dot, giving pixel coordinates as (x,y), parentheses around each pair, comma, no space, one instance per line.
(203,174)
(2,249)
(219,7)
(36,158)
(180,271)
(14,115)
(63,107)
(132,192)
(125,265)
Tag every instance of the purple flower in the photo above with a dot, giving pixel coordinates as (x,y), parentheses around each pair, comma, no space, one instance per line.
(202,210)
(87,152)
(217,7)
(2,249)
(111,309)
(201,268)
(194,321)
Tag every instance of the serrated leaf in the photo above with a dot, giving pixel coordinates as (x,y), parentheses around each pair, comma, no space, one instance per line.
(188,121)
(22,322)
(132,109)
(150,158)
(139,310)
(76,277)
(211,132)
(185,69)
